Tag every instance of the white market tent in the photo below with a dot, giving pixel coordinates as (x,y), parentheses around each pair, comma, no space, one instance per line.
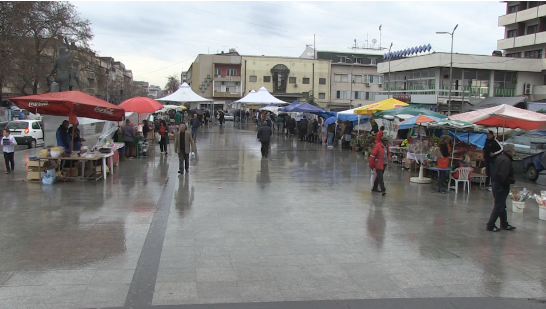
(260,97)
(184,94)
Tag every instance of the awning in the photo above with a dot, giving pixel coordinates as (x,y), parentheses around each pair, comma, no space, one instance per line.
(496,101)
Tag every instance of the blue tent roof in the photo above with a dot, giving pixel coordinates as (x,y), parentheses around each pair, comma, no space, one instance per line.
(477,139)
(307,108)
(289,107)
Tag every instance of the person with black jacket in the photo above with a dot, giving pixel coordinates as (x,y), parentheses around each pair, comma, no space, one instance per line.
(491,150)
(303,128)
(501,179)
(264,136)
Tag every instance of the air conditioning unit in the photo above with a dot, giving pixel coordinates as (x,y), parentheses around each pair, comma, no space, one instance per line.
(223,83)
(295,85)
(380,85)
(367,84)
(237,83)
(527,91)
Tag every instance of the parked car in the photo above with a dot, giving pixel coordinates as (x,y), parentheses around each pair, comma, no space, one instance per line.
(229,117)
(3,123)
(27,132)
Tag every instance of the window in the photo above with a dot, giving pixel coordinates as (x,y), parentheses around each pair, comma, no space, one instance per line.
(512,33)
(357,95)
(322,95)
(35,126)
(291,80)
(322,81)
(231,72)
(218,72)
(253,78)
(342,59)
(367,95)
(358,60)
(342,94)
(306,80)
(514,55)
(532,4)
(372,79)
(512,9)
(533,54)
(532,29)
(373,61)
(341,78)
(357,78)
(267,79)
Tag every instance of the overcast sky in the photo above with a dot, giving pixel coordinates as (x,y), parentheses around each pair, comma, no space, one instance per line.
(158,39)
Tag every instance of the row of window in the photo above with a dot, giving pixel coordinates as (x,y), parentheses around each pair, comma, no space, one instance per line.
(536,54)
(229,72)
(524,6)
(345,59)
(357,95)
(528,30)
(366,79)
(291,80)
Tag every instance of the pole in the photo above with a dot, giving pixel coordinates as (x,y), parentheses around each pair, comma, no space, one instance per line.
(450,77)
(351,94)
(389,86)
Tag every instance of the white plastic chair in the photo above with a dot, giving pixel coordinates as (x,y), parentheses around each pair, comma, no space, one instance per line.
(463,177)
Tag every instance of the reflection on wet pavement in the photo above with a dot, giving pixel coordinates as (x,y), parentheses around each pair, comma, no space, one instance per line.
(301,225)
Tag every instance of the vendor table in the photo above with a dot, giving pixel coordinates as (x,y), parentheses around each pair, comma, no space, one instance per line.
(440,179)
(419,157)
(399,152)
(96,157)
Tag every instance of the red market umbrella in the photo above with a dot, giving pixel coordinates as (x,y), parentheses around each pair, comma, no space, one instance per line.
(70,103)
(141,105)
(505,116)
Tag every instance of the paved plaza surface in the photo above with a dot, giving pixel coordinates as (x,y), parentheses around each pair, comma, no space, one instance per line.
(300,229)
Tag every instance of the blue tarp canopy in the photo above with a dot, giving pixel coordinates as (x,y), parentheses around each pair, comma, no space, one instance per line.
(477,139)
(307,108)
(289,107)
(353,118)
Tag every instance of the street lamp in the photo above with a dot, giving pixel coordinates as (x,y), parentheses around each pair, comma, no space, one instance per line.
(450,68)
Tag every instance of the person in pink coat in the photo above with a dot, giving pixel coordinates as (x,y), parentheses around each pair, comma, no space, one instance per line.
(379,159)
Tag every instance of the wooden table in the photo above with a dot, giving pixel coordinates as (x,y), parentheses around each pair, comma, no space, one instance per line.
(95,158)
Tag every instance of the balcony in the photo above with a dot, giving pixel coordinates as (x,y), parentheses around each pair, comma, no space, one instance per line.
(219,94)
(527,14)
(505,43)
(524,40)
(507,19)
(227,78)
(540,38)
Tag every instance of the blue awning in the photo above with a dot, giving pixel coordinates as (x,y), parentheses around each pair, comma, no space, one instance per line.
(477,139)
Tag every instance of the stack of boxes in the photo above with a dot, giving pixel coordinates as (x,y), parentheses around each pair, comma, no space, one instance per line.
(34,168)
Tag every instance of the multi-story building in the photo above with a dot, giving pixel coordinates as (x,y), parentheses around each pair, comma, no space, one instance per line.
(354,80)
(154,92)
(141,88)
(425,79)
(524,29)
(227,77)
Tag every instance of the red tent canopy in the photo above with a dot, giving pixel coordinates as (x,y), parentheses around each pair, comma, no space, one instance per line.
(140,105)
(70,103)
(505,116)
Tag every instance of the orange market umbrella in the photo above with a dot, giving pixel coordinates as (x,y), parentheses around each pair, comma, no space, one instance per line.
(379,106)
(141,105)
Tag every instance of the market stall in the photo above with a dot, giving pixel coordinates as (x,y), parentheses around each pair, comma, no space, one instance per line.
(71,104)
(143,107)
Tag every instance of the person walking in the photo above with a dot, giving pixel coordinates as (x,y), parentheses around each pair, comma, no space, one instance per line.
(309,137)
(221,117)
(291,127)
(164,136)
(8,147)
(145,129)
(280,124)
(264,136)
(491,150)
(331,131)
(501,179)
(194,126)
(128,133)
(178,118)
(303,128)
(183,145)
(379,159)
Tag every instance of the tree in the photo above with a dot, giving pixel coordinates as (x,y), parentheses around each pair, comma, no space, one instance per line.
(173,83)
(38,35)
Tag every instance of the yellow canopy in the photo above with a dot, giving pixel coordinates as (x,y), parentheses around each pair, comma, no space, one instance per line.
(379,106)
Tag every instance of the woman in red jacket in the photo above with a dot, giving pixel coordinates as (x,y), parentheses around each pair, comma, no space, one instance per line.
(379,135)
(379,159)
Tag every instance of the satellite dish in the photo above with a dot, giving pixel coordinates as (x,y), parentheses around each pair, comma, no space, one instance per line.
(374,41)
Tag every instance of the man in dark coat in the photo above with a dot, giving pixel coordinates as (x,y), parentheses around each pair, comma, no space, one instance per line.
(303,128)
(491,150)
(501,179)
(264,136)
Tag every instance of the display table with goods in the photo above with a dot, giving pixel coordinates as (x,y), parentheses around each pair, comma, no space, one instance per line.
(115,147)
(78,170)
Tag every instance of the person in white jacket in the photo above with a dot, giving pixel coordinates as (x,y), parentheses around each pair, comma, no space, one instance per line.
(8,146)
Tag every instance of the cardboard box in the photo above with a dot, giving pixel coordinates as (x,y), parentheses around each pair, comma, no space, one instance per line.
(67,173)
(475,155)
(33,175)
(36,163)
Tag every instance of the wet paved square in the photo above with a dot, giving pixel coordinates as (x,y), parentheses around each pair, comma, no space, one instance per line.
(299,226)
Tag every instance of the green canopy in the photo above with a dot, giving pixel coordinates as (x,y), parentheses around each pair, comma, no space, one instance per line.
(408,110)
(457,125)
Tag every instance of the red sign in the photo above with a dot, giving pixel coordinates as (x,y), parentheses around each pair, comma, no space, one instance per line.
(403,97)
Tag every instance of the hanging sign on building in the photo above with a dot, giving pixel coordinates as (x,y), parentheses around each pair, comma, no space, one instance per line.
(403,97)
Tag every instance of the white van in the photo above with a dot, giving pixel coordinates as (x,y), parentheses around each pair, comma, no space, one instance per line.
(27,132)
